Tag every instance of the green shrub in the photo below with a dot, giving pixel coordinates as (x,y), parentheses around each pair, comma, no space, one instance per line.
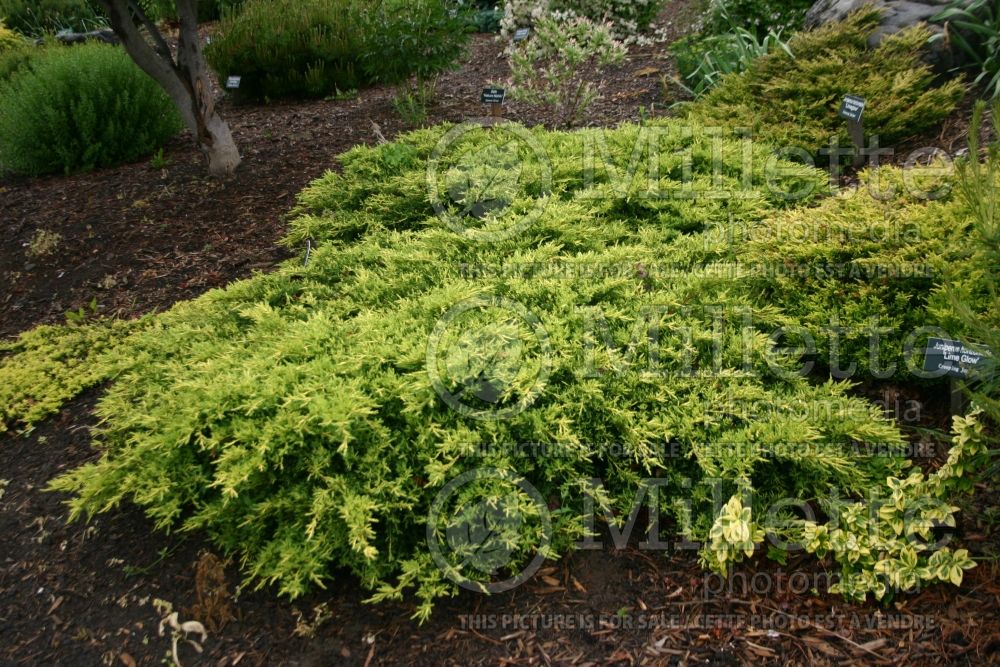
(793,101)
(80,108)
(35,18)
(286,48)
(208,10)
(293,416)
(411,37)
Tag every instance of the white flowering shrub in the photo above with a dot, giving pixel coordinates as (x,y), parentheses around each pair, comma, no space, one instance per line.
(550,68)
(628,18)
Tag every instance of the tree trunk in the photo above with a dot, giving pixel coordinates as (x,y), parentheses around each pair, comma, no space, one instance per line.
(184,78)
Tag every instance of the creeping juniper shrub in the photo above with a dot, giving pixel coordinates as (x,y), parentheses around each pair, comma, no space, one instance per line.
(292,417)
(856,273)
(792,98)
(70,358)
(75,109)
(9,40)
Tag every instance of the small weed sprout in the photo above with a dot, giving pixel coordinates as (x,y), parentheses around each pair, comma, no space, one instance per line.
(159,161)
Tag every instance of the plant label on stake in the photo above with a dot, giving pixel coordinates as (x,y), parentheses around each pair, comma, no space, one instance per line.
(521,34)
(494,97)
(233,82)
(851,110)
(955,358)
(958,361)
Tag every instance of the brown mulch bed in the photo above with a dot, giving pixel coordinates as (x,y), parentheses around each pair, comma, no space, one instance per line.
(84,594)
(139,238)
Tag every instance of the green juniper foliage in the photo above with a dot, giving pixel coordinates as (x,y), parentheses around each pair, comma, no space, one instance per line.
(792,100)
(306,421)
(76,109)
(49,365)
(9,39)
(861,268)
